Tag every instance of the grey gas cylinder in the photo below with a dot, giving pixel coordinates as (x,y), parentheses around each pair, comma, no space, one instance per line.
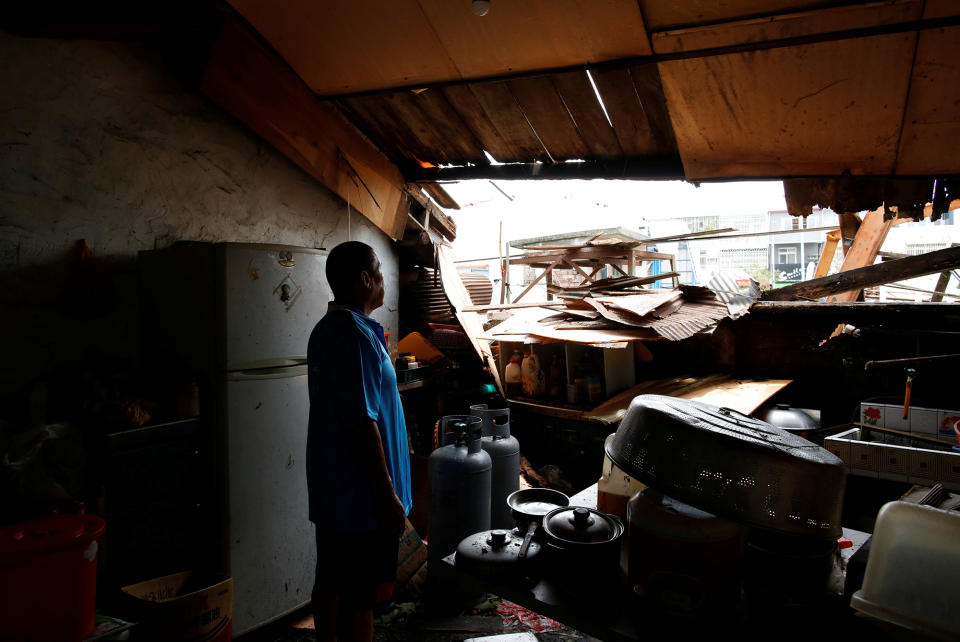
(460,473)
(504,452)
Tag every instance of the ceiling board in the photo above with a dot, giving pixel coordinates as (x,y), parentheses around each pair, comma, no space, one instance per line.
(793,25)
(536,34)
(547,114)
(343,46)
(581,102)
(637,112)
(660,15)
(348,46)
(932,125)
(436,147)
(821,108)
(941,9)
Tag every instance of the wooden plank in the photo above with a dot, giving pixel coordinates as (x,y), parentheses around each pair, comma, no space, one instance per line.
(464,146)
(537,279)
(763,113)
(791,25)
(250,81)
(471,322)
(879,274)
(741,395)
(441,196)
(433,146)
(385,128)
(826,254)
(932,123)
(630,123)
(549,118)
(500,107)
(649,88)
(863,252)
(476,119)
(849,225)
(584,108)
(438,221)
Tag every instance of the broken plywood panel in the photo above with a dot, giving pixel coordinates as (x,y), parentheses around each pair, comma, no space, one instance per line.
(931,128)
(820,108)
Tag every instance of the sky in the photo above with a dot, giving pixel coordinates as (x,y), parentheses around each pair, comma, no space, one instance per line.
(545,207)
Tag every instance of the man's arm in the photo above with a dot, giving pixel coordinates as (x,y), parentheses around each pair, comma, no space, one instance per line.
(368,451)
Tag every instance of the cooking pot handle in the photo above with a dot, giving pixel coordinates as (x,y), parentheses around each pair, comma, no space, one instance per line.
(531,529)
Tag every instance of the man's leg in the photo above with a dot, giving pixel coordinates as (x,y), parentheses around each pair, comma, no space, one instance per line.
(325,605)
(354,623)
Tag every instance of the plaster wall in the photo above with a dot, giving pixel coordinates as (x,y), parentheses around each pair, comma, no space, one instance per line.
(102,141)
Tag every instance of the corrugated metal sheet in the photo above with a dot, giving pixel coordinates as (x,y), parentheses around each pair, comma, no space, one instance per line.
(737,300)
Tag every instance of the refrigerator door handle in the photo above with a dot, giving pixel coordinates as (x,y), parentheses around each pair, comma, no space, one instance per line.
(267,373)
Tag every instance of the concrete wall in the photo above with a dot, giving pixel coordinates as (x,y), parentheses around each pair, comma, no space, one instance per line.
(103,141)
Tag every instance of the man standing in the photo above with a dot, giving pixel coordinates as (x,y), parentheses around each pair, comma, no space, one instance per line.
(358,465)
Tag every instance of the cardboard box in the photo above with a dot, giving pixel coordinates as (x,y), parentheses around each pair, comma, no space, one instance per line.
(182,606)
(411,556)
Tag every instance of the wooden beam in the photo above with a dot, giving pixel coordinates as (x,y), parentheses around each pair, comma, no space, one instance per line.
(870,237)
(441,196)
(826,255)
(249,80)
(537,280)
(438,221)
(513,306)
(941,284)
(646,167)
(871,275)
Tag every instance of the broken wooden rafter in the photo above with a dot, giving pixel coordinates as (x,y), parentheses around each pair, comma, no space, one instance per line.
(435,218)
(871,275)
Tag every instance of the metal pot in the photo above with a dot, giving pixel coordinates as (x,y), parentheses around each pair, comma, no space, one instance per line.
(790,419)
(495,553)
(587,539)
(529,505)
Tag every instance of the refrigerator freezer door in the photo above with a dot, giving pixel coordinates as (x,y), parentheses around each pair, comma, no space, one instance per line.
(272,542)
(272,298)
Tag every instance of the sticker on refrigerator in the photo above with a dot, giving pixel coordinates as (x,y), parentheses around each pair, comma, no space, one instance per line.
(286,259)
(253,271)
(287,291)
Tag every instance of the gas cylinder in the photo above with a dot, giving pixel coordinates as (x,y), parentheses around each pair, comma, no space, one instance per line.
(504,452)
(460,474)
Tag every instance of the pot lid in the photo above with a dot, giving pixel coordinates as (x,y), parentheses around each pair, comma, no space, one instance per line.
(576,524)
(493,548)
(783,416)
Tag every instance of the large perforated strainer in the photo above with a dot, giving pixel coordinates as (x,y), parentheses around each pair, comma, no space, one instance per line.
(729,464)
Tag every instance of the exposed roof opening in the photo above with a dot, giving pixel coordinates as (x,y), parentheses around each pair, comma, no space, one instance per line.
(596,92)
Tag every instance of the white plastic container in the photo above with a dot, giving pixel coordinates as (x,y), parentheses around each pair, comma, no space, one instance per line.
(911,576)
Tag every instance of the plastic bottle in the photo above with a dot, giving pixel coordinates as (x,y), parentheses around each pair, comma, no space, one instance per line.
(531,375)
(512,375)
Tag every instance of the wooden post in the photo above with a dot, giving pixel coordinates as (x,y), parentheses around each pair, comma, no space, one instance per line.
(863,252)
(941,284)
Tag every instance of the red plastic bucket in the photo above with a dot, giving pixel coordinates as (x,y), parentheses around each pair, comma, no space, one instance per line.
(48,578)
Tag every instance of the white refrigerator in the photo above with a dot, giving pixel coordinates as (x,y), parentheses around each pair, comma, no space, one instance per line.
(240,317)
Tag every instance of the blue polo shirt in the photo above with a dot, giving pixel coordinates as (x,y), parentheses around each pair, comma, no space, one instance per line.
(351,379)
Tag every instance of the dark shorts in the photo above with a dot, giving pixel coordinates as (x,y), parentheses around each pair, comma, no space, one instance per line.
(356,565)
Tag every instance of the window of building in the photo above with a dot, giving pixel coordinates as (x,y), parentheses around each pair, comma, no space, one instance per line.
(787,255)
(795,223)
